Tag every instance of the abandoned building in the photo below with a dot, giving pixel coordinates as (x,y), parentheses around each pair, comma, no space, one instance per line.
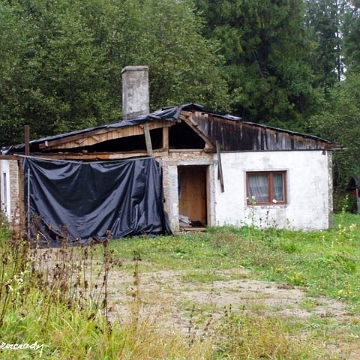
(180,167)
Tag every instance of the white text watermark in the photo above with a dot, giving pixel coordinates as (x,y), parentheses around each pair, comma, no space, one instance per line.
(15,346)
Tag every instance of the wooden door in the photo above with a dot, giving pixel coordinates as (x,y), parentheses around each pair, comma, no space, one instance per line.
(192,193)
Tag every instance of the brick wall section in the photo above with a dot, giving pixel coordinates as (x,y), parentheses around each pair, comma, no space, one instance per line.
(176,158)
(14,193)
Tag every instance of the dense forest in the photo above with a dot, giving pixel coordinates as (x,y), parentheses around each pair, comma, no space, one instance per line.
(293,64)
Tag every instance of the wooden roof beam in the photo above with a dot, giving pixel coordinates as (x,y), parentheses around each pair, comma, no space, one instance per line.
(187,118)
(95,156)
(95,136)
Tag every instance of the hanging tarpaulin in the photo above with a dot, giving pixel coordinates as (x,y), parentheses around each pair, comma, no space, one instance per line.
(77,201)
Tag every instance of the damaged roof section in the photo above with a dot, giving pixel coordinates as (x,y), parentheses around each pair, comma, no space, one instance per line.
(246,136)
(188,126)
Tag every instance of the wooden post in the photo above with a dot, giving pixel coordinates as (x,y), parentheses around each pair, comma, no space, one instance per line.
(27,140)
(220,173)
(165,138)
(148,139)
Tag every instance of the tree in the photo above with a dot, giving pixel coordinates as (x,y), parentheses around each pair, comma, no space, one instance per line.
(266,58)
(351,33)
(58,83)
(324,20)
(166,36)
(339,123)
(66,74)
(12,45)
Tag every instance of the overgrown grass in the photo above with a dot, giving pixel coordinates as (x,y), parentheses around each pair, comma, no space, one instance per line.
(54,303)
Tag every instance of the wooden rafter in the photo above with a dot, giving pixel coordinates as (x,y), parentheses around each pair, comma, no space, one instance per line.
(97,136)
(187,118)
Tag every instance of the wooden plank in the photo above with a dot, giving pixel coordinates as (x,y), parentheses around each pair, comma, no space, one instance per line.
(220,171)
(27,140)
(93,156)
(97,156)
(165,138)
(89,140)
(79,142)
(9,157)
(148,139)
(101,135)
(96,138)
(193,229)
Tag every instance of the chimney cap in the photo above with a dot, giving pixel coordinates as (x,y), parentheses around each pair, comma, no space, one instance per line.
(135,68)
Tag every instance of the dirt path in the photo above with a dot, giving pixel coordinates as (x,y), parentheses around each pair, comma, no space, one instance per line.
(183,301)
(235,290)
(169,297)
(170,289)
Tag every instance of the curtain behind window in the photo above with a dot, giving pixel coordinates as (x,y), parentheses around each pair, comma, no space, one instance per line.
(278,187)
(258,187)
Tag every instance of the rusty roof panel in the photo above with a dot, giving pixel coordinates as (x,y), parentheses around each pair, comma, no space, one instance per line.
(235,135)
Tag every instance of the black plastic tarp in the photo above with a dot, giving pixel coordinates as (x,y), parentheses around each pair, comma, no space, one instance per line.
(77,201)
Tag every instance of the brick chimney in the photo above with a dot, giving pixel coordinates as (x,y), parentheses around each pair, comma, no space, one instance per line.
(135,91)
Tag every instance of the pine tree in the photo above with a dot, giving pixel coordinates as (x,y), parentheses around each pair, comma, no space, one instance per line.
(266,51)
(324,20)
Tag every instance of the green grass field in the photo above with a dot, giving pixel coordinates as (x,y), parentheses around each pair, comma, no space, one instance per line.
(55,304)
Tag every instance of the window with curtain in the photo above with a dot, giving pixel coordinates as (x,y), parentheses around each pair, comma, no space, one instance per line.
(266,187)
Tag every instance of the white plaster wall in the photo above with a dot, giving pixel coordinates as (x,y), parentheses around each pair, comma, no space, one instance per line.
(309,190)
